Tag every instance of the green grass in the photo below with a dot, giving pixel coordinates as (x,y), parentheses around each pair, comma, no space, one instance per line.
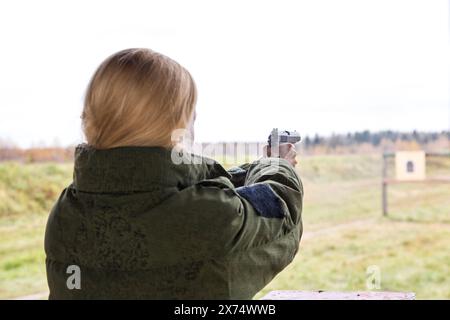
(344,232)
(27,192)
(410,257)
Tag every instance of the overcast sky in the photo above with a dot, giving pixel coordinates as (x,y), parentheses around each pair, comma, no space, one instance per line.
(314,66)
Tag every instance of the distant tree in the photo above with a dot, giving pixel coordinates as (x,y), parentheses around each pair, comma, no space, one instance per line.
(317,140)
(307,141)
(376,139)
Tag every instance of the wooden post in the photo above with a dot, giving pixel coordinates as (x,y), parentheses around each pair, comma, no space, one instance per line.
(384,185)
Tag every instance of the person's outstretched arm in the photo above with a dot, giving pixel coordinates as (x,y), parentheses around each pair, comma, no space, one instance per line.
(256,228)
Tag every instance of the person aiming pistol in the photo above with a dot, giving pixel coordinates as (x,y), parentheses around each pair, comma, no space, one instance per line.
(135,225)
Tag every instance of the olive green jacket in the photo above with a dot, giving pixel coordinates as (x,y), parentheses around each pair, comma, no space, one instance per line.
(137,224)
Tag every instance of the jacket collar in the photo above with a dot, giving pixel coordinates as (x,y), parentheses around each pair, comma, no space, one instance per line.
(131,169)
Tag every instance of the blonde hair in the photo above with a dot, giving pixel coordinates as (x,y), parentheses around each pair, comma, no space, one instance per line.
(137,97)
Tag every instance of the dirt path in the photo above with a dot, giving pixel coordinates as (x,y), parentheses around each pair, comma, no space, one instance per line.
(337,228)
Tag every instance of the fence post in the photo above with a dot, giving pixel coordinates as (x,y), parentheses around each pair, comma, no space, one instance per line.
(384,185)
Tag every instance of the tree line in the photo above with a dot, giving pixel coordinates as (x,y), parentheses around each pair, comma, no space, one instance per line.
(374,138)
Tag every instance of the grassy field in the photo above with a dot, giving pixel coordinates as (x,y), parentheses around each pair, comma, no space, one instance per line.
(344,230)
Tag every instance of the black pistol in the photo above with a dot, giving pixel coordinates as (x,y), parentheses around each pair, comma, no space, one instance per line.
(283,136)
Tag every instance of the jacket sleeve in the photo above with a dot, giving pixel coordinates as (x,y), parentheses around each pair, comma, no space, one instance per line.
(260,222)
(272,198)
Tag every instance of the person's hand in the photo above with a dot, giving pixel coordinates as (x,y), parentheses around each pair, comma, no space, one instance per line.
(286,151)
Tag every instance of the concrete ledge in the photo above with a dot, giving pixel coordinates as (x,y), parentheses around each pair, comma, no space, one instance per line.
(330,295)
